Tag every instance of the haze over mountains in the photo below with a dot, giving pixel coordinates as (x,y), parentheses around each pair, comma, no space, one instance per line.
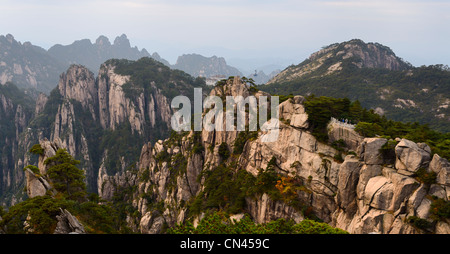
(114,117)
(30,66)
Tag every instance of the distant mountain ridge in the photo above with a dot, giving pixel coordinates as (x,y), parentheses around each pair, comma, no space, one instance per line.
(30,66)
(332,58)
(198,65)
(92,55)
(27,66)
(374,75)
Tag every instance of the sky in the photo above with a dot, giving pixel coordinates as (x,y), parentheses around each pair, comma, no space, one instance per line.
(255,32)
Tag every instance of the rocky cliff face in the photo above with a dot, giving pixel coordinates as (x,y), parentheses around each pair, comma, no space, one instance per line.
(16,112)
(115,107)
(102,121)
(37,184)
(372,185)
(369,190)
(90,107)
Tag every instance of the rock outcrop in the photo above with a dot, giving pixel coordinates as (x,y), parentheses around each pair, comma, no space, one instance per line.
(86,108)
(412,156)
(102,120)
(441,167)
(367,192)
(37,184)
(68,224)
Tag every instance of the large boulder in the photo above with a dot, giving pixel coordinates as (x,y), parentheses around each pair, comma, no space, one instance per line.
(411,156)
(441,167)
(370,150)
(292,110)
(50,148)
(36,185)
(378,193)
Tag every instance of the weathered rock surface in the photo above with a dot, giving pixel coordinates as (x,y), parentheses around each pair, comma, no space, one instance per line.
(369,150)
(263,210)
(412,156)
(441,167)
(365,193)
(36,185)
(68,224)
(338,131)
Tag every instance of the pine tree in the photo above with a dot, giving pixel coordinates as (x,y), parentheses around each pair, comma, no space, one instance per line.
(66,178)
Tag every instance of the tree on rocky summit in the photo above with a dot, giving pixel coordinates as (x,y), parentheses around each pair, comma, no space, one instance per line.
(66,178)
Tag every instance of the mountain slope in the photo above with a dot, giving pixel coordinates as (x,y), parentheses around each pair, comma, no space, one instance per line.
(27,66)
(198,65)
(374,75)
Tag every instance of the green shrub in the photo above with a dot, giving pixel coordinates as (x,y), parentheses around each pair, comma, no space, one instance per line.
(41,211)
(368,129)
(163,156)
(223,189)
(440,209)
(242,139)
(339,145)
(98,219)
(66,178)
(197,143)
(420,223)
(220,223)
(338,157)
(33,169)
(425,176)
(224,152)
(388,151)
(37,149)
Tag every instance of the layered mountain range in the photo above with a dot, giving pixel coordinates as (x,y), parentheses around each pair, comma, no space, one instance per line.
(117,125)
(29,66)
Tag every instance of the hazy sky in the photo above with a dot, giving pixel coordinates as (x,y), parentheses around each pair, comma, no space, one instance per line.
(417,31)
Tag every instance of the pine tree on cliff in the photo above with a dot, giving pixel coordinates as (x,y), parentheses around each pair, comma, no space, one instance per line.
(66,178)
